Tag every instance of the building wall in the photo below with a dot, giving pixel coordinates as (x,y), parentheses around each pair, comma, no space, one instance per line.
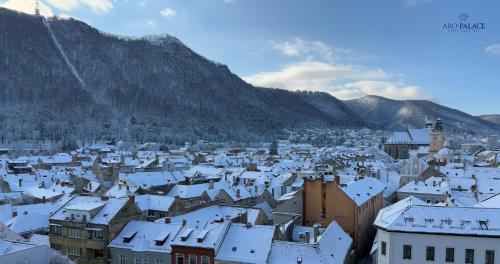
(313,199)
(337,206)
(419,242)
(92,246)
(186,251)
(294,206)
(130,256)
(437,142)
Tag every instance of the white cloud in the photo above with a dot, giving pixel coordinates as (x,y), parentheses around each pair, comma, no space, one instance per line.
(493,49)
(324,68)
(413,3)
(299,47)
(389,89)
(229,1)
(168,12)
(27,6)
(318,50)
(340,80)
(313,76)
(151,23)
(95,5)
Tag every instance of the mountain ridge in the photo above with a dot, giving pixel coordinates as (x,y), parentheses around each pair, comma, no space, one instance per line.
(152,88)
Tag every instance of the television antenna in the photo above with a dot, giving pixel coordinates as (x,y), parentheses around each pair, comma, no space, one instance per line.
(37,8)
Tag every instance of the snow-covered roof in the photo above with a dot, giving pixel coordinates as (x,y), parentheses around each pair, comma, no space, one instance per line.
(238,247)
(24,223)
(8,247)
(492,202)
(207,237)
(107,209)
(411,136)
(213,215)
(362,190)
(121,191)
(433,186)
(146,180)
(154,202)
(440,220)
(146,237)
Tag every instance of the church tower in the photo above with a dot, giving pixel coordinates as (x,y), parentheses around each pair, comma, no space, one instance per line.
(437,137)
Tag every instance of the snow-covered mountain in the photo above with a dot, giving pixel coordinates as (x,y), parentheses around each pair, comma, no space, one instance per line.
(395,114)
(491,118)
(65,80)
(69,79)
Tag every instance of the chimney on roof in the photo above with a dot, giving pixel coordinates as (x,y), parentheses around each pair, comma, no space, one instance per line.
(104,198)
(132,199)
(14,213)
(20,182)
(128,188)
(167,220)
(43,199)
(238,192)
(337,180)
(184,222)
(211,184)
(307,238)
(119,186)
(316,228)
(272,191)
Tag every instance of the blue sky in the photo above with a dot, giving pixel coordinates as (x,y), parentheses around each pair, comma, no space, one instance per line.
(349,48)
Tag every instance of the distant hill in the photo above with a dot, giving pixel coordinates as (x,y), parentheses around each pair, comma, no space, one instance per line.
(491,118)
(395,114)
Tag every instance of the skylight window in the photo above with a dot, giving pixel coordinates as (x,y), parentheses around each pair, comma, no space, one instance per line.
(483,224)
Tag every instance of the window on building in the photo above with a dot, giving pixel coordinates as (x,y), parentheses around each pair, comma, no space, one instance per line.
(469,256)
(123,259)
(490,256)
(429,254)
(205,260)
(384,248)
(97,234)
(74,251)
(179,258)
(72,232)
(406,252)
(98,253)
(141,260)
(56,229)
(192,259)
(161,261)
(450,255)
(151,213)
(84,218)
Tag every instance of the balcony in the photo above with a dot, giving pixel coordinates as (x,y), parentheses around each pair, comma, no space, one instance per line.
(96,244)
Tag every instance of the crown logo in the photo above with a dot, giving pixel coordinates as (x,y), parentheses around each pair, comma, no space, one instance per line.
(463,17)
